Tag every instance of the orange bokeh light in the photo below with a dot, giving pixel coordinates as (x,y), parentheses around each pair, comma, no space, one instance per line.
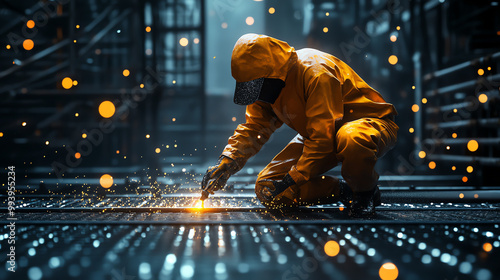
(432,165)
(332,248)
(388,271)
(487,247)
(106,181)
(30,24)
(107,109)
(28,44)
(472,145)
(483,98)
(67,83)
(393,59)
(78,155)
(415,108)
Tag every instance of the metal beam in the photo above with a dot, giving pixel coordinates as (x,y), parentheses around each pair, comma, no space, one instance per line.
(491,122)
(466,159)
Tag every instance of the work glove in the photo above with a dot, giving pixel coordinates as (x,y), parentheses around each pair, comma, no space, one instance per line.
(278,193)
(216,176)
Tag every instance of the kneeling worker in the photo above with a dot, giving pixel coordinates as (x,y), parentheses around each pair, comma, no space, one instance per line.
(338,116)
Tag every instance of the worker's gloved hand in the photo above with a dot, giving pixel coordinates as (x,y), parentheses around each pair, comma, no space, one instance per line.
(275,194)
(216,176)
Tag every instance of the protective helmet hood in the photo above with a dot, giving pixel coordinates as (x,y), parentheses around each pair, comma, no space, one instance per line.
(254,58)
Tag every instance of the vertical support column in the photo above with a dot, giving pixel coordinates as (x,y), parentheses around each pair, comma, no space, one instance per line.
(72,46)
(418,96)
(202,92)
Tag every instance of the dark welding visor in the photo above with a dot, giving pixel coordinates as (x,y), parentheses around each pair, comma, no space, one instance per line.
(263,89)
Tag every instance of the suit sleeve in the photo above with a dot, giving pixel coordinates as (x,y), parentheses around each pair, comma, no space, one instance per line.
(324,106)
(249,137)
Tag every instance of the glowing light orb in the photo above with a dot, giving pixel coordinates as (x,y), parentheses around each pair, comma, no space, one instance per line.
(1,134)
(411,130)
(332,248)
(453,168)
(432,165)
(28,44)
(424,100)
(487,247)
(196,40)
(157,150)
(480,72)
(472,145)
(325,29)
(75,82)
(470,169)
(24,124)
(107,109)
(183,42)
(148,28)
(148,136)
(30,24)
(454,135)
(67,83)
(461,195)
(483,98)
(398,27)
(78,155)
(233,119)
(126,72)
(421,154)
(393,38)
(393,59)
(249,21)
(106,181)
(388,271)
(415,108)
(465,179)
(84,135)
(272,10)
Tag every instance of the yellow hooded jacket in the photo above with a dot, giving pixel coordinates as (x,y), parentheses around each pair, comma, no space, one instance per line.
(320,92)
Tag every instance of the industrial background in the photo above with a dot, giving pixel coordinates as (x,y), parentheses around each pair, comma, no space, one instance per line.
(111,111)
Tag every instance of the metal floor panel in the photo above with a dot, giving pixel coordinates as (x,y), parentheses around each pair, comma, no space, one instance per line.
(448,234)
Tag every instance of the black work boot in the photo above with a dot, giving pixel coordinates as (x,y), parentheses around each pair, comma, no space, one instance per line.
(359,204)
(363,204)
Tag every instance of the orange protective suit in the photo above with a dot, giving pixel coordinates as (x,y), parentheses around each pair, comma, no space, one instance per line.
(338,117)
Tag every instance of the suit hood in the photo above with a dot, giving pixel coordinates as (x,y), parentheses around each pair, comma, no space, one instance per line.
(259,56)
